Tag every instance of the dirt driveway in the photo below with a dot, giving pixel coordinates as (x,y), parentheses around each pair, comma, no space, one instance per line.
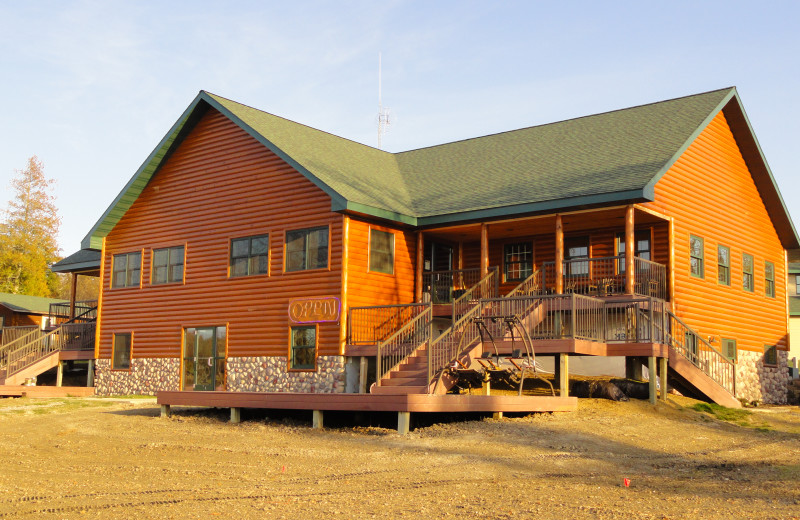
(98,458)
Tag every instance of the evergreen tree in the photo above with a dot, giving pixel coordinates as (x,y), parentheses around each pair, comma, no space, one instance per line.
(28,234)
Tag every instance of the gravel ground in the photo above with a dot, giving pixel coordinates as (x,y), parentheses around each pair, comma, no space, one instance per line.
(102,458)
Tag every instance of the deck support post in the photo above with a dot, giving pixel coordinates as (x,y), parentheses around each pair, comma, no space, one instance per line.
(418,267)
(60,373)
(316,419)
(487,387)
(651,369)
(484,249)
(629,251)
(559,255)
(497,415)
(165,411)
(363,367)
(633,368)
(562,374)
(403,422)
(90,373)
(662,374)
(236,415)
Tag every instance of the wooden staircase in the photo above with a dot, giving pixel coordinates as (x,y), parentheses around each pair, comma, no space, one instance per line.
(409,377)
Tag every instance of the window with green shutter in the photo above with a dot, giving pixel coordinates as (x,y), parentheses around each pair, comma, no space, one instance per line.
(696,267)
(723,265)
(729,349)
(747,272)
(769,279)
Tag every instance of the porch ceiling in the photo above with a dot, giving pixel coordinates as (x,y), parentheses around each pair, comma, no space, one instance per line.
(544,225)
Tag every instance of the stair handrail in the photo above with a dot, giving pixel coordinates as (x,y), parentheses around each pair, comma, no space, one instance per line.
(418,329)
(530,286)
(19,359)
(379,321)
(445,359)
(716,366)
(487,287)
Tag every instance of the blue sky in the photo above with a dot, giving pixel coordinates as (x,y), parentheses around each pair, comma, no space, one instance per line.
(91,87)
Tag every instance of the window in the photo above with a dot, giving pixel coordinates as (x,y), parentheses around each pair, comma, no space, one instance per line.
(747,272)
(576,249)
(127,270)
(381,251)
(696,267)
(769,279)
(797,285)
(723,265)
(518,261)
(729,349)
(641,248)
(167,265)
(204,353)
(771,355)
(249,255)
(121,352)
(307,249)
(303,342)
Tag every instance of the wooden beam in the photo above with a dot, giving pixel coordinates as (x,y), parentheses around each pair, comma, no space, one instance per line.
(317,419)
(73,289)
(559,255)
(662,374)
(562,374)
(345,262)
(484,249)
(652,376)
(403,422)
(236,415)
(418,267)
(165,410)
(629,250)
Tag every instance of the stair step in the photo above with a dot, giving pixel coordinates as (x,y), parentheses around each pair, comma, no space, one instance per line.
(410,372)
(399,390)
(403,381)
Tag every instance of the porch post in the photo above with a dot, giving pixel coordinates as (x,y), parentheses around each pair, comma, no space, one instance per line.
(418,270)
(652,375)
(73,288)
(629,251)
(484,249)
(559,256)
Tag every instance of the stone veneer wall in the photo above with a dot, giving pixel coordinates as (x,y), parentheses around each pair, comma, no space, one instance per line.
(755,382)
(270,374)
(146,377)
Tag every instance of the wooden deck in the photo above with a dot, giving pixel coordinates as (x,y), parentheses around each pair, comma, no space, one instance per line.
(45,391)
(402,404)
(578,347)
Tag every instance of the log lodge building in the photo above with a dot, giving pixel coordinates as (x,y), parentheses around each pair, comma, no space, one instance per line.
(252,254)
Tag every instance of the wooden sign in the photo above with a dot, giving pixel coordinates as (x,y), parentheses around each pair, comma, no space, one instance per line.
(315,310)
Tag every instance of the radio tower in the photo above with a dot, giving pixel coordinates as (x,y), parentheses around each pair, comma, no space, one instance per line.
(383,113)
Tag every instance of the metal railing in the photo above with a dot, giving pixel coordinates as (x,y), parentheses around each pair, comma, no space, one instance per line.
(59,312)
(555,316)
(69,336)
(639,320)
(446,286)
(401,344)
(446,348)
(532,285)
(701,354)
(487,287)
(605,276)
(9,334)
(371,325)
(649,278)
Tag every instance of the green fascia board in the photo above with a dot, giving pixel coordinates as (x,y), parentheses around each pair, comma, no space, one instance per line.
(337,200)
(80,266)
(537,207)
(383,214)
(137,183)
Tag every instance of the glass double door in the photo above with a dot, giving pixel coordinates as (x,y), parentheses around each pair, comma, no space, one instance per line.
(204,358)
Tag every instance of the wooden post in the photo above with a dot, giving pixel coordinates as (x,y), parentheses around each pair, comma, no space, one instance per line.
(497,415)
(418,270)
(662,373)
(633,368)
(562,374)
(484,249)
(90,373)
(345,274)
(403,422)
(236,415)
(363,367)
(651,368)
(165,411)
(60,373)
(460,255)
(73,289)
(629,250)
(487,387)
(316,419)
(559,255)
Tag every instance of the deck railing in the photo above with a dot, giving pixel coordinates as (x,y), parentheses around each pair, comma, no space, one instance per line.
(69,336)
(487,287)
(532,285)
(446,348)
(639,320)
(649,278)
(371,325)
(605,276)
(403,343)
(701,354)
(9,334)
(445,286)
(59,312)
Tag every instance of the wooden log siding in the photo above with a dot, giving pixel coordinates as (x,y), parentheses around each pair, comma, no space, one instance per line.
(368,288)
(711,194)
(219,184)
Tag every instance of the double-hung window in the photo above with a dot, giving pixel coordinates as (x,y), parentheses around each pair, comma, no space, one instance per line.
(127,270)
(381,251)
(769,279)
(747,272)
(517,261)
(307,249)
(696,267)
(249,255)
(729,349)
(121,352)
(771,355)
(723,265)
(303,348)
(167,265)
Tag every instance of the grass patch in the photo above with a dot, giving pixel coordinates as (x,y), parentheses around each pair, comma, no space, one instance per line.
(731,415)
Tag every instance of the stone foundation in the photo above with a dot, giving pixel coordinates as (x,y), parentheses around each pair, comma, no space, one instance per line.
(756,382)
(270,374)
(146,377)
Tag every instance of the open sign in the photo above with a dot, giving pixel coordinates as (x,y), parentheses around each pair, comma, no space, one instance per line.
(315,310)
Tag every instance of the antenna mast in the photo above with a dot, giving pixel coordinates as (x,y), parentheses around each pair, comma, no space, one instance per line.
(383,113)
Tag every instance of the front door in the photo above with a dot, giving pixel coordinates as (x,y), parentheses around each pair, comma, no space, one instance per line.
(204,358)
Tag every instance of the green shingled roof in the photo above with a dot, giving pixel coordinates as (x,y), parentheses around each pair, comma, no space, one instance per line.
(614,157)
(27,304)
